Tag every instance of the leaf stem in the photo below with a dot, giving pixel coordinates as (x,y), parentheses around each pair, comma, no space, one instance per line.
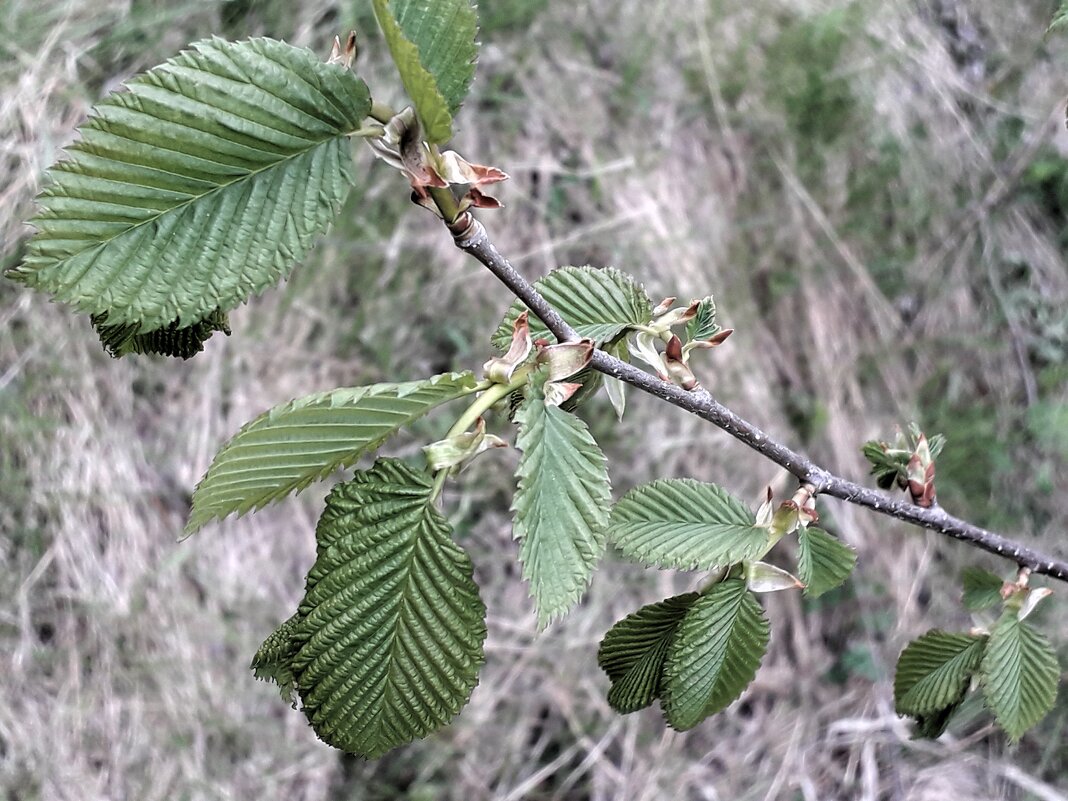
(493,395)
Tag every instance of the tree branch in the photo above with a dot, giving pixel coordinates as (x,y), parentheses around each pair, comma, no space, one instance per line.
(470,236)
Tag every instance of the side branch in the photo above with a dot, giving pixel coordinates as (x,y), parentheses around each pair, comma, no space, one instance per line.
(470,236)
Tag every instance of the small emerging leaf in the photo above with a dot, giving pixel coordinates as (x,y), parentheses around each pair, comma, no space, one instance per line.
(824,562)
(934,671)
(560,506)
(703,325)
(633,651)
(1019,675)
(714,655)
(982,589)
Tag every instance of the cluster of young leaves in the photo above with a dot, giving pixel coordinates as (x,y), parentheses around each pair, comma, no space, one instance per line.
(1012,662)
(205,180)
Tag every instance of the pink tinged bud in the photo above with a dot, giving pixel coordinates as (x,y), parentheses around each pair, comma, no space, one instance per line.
(712,342)
(663,306)
(677,369)
(567,358)
(343,55)
(807,514)
(478,200)
(500,369)
(675,317)
(557,392)
(457,170)
(763,577)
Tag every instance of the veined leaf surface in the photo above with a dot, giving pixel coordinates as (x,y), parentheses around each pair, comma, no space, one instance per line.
(714,655)
(686,524)
(561,505)
(597,303)
(198,185)
(389,640)
(287,448)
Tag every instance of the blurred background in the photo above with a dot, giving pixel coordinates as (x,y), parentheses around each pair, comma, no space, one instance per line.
(876,193)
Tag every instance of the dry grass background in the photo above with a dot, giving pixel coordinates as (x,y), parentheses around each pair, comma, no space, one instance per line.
(876,193)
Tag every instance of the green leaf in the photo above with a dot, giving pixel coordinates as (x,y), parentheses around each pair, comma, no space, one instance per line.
(183,343)
(433,46)
(597,303)
(682,523)
(934,671)
(1019,674)
(982,589)
(197,186)
(272,661)
(824,562)
(703,326)
(561,505)
(391,628)
(934,725)
(633,651)
(715,654)
(287,448)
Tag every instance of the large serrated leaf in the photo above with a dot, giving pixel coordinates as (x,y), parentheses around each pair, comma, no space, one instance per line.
(714,655)
(287,448)
(934,671)
(682,523)
(197,186)
(823,561)
(633,651)
(1019,675)
(982,589)
(597,303)
(391,628)
(561,505)
(433,46)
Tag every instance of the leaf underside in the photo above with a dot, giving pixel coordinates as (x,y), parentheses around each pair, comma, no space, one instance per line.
(443,32)
(597,303)
(714,655)
(433,47)
(560,506)
(633,652)
(934,672)
(172,340)
(287,448)
(389,640)
(823,562)
(685,524)
(1019,675)
(197,186)
(272,660)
